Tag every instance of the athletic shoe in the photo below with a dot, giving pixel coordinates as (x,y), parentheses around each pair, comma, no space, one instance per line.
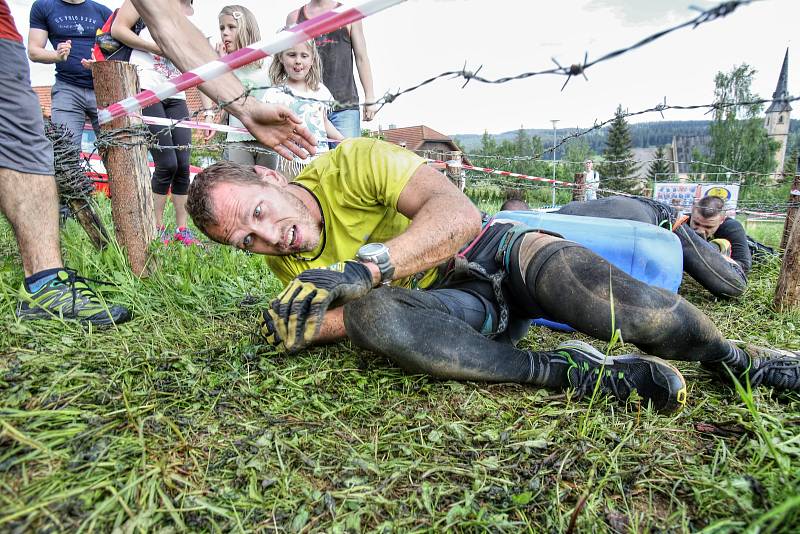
(67,296)
(164,235)
(653,379)
(779,369)
(184,236)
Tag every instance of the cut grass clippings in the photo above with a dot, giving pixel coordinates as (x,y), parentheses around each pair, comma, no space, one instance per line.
(181,420)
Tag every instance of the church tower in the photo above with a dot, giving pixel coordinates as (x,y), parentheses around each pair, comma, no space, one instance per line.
(777,119)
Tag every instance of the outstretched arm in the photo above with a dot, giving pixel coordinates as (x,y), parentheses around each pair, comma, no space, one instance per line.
(122,32)
(274,126)
(443,220)
(364,68)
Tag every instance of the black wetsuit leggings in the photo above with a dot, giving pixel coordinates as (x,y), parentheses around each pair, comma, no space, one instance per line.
(438,332)
(701,260)
(172,166)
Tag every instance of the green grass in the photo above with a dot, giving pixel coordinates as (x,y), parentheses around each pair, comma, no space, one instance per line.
(181,421)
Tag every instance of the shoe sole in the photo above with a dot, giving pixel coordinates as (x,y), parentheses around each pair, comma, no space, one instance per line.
(50,316)
(672,380)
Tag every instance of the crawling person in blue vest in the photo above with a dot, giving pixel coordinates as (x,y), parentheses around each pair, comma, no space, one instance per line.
(715,249)
(375,246)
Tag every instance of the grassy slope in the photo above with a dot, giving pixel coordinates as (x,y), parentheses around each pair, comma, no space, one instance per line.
(180,420)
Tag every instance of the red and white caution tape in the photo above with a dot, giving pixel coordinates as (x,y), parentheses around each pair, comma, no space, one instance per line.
(324,23)
(517,175)
(512,174)
(194,125)
(199,125)
(763,213)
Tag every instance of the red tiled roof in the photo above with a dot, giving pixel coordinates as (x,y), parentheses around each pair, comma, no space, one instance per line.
(43,92)
(415,136)
(193,100)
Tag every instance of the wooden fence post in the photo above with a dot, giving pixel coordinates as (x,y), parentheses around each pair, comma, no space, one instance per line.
(128,173)
(787,294)
(454,170)
(791,213)
(579,191)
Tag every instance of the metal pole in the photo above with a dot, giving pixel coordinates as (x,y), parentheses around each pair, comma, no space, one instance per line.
(554,121)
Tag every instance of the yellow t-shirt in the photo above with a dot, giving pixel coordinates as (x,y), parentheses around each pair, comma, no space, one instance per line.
(357,185)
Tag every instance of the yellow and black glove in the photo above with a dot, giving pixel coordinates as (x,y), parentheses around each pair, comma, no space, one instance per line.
(295,317)
(724,246)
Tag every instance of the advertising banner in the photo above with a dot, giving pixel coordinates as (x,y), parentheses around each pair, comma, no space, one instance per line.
(682,194)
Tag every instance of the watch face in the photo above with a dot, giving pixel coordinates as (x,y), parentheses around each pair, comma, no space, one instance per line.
(371,249)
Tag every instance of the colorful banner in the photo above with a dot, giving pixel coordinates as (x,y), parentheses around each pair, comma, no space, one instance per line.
(683,195)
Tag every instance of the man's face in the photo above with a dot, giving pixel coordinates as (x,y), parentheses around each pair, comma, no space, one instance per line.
(263,218)
(705,226)
(589,165)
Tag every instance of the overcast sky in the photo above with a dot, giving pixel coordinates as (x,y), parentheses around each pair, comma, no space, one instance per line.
(411,42)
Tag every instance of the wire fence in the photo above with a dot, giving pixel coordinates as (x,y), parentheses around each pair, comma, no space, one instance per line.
(481,177)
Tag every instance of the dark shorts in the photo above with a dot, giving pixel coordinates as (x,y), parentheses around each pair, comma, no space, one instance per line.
(23,146)
(473,299)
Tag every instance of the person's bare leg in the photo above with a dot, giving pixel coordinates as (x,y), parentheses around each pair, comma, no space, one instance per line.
(30,203)
(159,203)
(179,202)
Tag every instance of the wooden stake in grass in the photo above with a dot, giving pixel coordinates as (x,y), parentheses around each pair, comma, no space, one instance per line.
(791,213)
(126,163)
(579,191)
(787,295)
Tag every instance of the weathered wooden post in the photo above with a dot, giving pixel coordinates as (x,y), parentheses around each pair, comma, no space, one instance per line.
(126,164)
(454,171)
(787,294)
(579,191)
(791,213)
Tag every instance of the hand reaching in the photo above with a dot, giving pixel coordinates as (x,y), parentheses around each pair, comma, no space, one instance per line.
(278,128)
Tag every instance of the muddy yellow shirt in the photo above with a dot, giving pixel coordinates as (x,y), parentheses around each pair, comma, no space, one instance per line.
(357,185)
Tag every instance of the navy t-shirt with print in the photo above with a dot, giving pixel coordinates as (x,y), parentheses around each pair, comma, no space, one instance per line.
(76,22)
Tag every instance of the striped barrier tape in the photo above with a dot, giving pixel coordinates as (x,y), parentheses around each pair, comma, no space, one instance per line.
(199,125)
(508,173)
(319,25)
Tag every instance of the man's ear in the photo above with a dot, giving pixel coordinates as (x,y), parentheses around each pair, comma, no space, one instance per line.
(270,175)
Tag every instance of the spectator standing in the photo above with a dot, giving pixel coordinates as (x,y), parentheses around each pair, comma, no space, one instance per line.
(29,200)
(238,28)
(338,49)
(592,180)
(296,74)
(171,173)
(70,26)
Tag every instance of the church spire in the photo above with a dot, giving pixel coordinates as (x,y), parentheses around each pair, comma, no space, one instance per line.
(781,95)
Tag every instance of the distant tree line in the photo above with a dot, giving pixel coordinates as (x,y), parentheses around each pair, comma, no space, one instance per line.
(643,135)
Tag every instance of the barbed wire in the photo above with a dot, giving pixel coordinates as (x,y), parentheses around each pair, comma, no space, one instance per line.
(138,135)
(719,11)
(71,180)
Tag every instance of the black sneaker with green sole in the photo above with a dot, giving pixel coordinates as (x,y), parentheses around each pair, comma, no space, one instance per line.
(776,368)
(652,378)
(69,297)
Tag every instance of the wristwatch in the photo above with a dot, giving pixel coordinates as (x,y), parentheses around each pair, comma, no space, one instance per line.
(378,253)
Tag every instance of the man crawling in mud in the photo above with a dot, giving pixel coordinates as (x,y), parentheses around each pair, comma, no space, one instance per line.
(715,249)
(376,246)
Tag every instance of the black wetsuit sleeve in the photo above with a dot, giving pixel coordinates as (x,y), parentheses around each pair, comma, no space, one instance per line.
(733,231)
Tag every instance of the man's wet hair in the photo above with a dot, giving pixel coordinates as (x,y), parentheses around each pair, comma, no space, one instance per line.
(514,200)
(198,202)
(514,205)
(710,206)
